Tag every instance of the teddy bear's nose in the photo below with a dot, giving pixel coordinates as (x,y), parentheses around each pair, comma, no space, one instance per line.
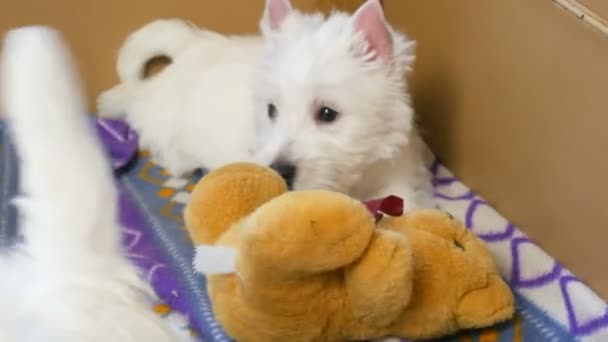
(287,170)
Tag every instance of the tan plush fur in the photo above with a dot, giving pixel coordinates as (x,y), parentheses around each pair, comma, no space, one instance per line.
(315,266)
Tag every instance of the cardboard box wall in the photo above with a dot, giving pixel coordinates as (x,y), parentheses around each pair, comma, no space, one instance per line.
(513,96)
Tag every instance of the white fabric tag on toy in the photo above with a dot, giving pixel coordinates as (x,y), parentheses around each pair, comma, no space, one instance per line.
(211,260)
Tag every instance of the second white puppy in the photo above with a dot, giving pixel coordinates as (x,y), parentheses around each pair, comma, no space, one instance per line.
(321,99)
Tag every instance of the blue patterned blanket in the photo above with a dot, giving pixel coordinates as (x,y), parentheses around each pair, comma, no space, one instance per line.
(552,304)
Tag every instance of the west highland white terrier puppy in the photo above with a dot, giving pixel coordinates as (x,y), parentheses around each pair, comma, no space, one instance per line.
(68,281)
(324,100)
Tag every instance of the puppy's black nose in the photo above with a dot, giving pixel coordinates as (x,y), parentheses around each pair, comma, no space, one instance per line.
(287,170)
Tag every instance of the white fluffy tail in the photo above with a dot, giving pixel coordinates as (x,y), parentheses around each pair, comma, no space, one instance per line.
(159,38)
(66,176)
(163,37)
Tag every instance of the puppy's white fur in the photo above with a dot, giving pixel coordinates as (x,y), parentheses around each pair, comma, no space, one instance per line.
(209,107)
(193,114)
(68,281)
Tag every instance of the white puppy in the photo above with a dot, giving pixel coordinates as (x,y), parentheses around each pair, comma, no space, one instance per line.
(68,281)
(324,100)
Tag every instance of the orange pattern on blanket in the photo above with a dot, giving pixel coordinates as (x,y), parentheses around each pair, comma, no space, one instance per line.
(175,191)
(162,309)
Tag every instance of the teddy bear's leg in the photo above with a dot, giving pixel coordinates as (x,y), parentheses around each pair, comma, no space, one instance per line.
(442,224)
(379,284)
(486,306)
(305,232)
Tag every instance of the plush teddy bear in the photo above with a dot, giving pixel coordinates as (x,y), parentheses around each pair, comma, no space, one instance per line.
(317,266)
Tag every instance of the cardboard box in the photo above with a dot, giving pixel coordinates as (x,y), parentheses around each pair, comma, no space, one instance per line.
(512,95)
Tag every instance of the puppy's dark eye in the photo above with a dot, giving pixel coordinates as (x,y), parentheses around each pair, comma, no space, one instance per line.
(327,115)
(272,111)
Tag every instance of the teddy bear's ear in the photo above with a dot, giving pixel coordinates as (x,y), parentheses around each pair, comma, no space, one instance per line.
(226,195)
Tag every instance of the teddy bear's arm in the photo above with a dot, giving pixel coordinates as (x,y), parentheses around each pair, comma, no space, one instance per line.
(306,233)
(379,284)
(289,255)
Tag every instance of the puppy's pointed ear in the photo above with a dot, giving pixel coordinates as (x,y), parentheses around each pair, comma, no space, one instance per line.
(275,12)
(369,20)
